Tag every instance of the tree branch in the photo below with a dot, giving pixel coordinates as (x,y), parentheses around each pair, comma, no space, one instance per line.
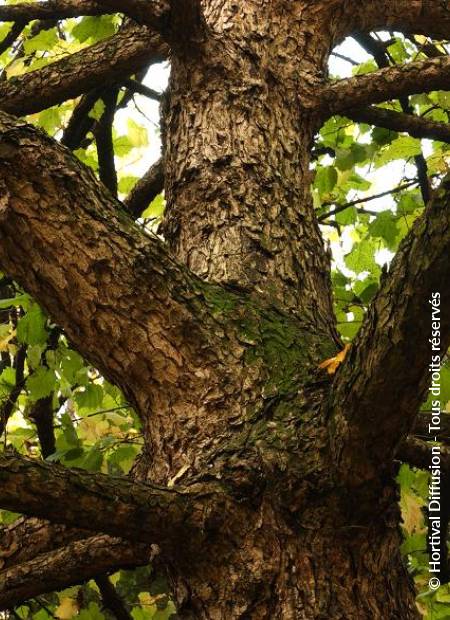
(56,9)
(111,600)
(153,13)
(383,59)
(106,62)
(12,35)
(112,296)
(146,189)
(78,561)
(417,453)
(104,141)
(80,122)
(27,538)
(387,369)
(364,199)
(179,23)
(415,126)
(112,505)
(427,17)
(385,84)
(140,88)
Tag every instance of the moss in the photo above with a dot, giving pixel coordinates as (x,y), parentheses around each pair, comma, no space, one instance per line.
(219,300)
(288,350)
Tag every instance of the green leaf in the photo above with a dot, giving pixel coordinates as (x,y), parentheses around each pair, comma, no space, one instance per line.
(41,383)
(91,613)
(385,227)
(91,397)
(344,159)
(122,146)
(366,291)
(44,41)
(73,454)
(156,208)
(7,380)
(382,136)
(97,110)
(94,27)
(71,366)
(346,217)
(69,432)
(93,460)
(362,257)
(137,134)
(50,120)
(401,148)
(14,301)
(326,179)
(31,328)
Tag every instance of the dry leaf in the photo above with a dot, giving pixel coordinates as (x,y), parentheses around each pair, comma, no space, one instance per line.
(333,363)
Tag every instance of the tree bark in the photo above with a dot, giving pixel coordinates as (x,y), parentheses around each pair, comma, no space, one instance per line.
(216,336)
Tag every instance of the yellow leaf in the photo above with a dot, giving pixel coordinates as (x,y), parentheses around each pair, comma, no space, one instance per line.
(67,610)
(332,364)
(4,341)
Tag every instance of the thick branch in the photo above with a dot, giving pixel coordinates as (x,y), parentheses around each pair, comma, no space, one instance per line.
(415,126)
(153,13)
(179,23)
(80,122)
(109,286)
(146,189)
(384,379)
(56,9)
(383,59)
(106,62)
(385,84)
(27,538)
(428,17)
(112,505)
(79,561)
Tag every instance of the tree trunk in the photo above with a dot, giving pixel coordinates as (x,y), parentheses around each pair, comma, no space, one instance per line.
(237,136)
(221,360)
(322,561)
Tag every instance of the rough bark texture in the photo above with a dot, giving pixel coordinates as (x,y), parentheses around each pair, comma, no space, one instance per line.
(110,60)
(60,9)
(82,559)
(401,308)
(216,336)
(388,83)
(396,121)
(239,209)
(146,189)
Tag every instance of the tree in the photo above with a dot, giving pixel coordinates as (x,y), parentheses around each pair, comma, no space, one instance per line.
(266,486)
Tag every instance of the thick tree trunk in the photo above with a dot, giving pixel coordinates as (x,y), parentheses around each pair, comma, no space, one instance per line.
(325,562)
(237,136)
(222,361)
(238,153)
